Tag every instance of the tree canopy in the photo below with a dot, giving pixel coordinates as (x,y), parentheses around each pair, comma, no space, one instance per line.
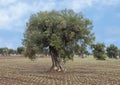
(20,50)
(99,51)
(112,51)
(62,32)
(7,51)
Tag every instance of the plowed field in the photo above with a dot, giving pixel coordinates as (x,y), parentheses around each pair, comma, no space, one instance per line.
(87,71)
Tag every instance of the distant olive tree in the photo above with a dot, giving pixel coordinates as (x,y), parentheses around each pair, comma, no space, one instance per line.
(4,51)
(7,51)
(60,32)
(20,50)
(11,51)
(99,51)
(112,51)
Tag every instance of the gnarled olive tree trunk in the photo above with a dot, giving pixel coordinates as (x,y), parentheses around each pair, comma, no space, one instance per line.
(56,61)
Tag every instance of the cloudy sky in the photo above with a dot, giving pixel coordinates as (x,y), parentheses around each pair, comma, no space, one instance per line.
(105,15)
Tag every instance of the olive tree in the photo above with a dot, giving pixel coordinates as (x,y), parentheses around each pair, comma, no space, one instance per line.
(4,51)
(20,50)
(99,51)
(112,51)
(60,32)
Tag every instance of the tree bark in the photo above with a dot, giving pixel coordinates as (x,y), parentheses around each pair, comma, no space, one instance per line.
(56,62)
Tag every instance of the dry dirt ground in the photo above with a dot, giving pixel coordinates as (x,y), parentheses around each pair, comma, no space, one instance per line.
(87,71)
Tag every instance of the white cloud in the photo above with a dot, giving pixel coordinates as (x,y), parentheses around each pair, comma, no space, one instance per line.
(77,4)
(43,5)
(11,15)
(80,4)
(109,2)
(14,13)
(6,2)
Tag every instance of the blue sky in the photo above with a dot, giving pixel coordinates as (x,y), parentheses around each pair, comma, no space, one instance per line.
(105,15)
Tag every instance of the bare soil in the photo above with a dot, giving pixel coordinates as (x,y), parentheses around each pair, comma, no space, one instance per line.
(18,70)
